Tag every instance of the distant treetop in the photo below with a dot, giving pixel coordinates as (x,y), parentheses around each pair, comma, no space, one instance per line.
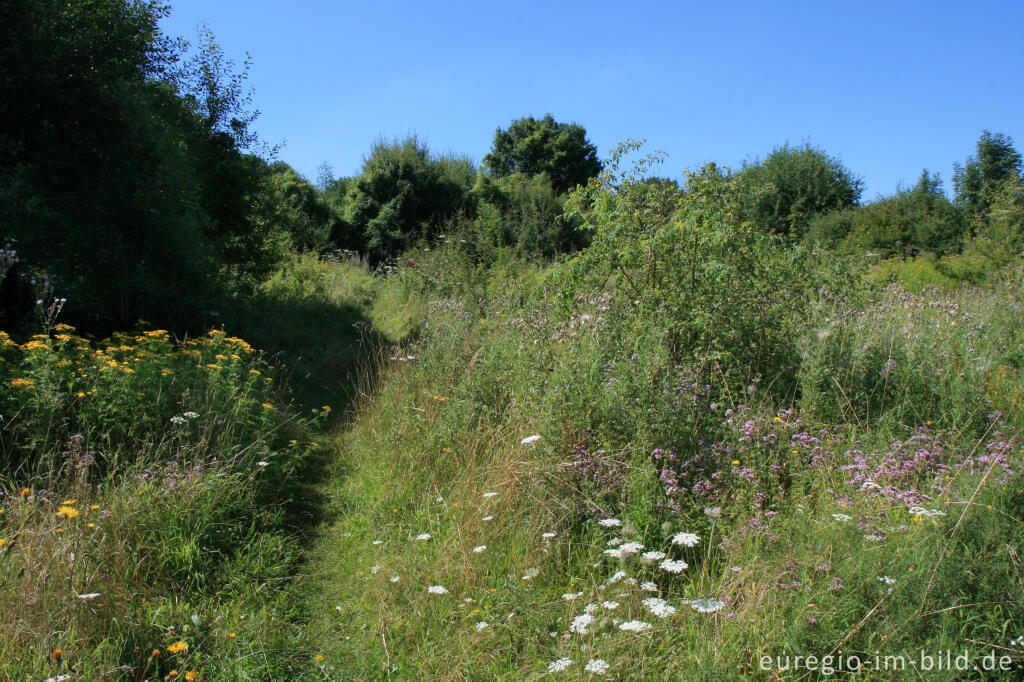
(531,147)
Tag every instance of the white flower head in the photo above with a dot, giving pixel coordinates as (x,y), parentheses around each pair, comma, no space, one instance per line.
(178,420)
(649,586)
(596,666)
(529,439)
(375,569)
(437,589)
(90,595)
(685,539)
(886,579)
(488,495)
(619,575)
(378,542)
(487,518)
(262,464)
(651,557)
(580,623)
(659,607)
(423,536)
(842,517)
(569,596)
(547,536)
(630,548)
(191,415)
(610,605)
(480,626)
(609,523)
(395,578)
(635,626)
(559,665)
(479,549)
(673,566)
(707,605)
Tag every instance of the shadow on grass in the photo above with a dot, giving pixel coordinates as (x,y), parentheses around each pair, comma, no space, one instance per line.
(324,353)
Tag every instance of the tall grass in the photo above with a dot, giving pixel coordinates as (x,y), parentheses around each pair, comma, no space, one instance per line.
(864,516)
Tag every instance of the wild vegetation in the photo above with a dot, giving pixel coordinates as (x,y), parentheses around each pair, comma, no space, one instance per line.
(549,416)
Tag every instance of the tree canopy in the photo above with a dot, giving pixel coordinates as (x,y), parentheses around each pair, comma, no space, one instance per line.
(533,146)
(797,184)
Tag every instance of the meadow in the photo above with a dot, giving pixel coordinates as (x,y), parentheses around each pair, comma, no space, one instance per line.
(546,416)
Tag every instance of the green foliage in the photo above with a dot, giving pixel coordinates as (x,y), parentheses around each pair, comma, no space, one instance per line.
(402,195)
(978,181)
(798,184)
(999,233)
(532,147)
(523,212)
(138,199)
(683,266)
(918,220)
(296,208)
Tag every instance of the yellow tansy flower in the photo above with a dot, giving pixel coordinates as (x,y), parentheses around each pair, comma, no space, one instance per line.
(67,512)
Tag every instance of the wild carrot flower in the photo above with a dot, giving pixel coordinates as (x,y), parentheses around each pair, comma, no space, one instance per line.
(707,605)
(560,665)
(423,536)
(479,549)
(609,523)
(596,666)
(619,575)
(635,626)
(580,623)
(686,539)
(547,536)
(480,626)
(659,607)
(529,439)
(651,557)
(437,589)
(673,566)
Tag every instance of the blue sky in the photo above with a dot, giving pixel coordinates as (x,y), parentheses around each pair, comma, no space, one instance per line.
(887,87)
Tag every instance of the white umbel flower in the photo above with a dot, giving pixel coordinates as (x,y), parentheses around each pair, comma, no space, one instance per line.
(635,626)
(685,539)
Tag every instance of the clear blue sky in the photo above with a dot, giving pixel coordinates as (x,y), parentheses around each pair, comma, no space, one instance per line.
(888,87)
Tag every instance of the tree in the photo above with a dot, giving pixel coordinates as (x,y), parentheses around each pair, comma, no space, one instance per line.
(978,180)
(912,221)
(402,196)
(531,146)
(799,183)
(122,172)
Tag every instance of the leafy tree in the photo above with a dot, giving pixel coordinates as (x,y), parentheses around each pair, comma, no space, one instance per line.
(402,196)
(684,266)
(122,168)
(999,234)
(912,221)
(531,147)
(977,181)
(799,183)
(294,206)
